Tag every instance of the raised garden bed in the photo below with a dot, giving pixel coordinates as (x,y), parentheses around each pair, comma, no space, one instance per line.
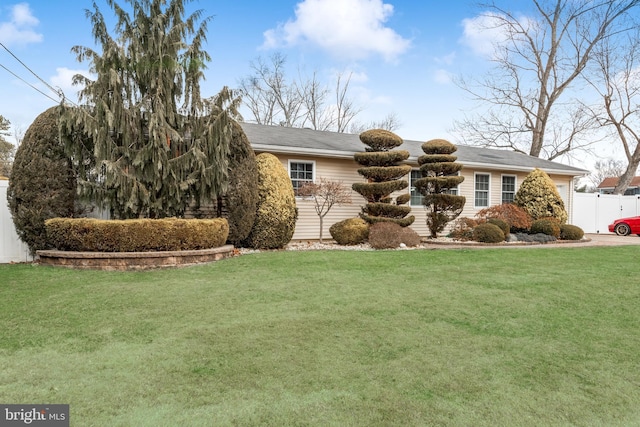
(122,261)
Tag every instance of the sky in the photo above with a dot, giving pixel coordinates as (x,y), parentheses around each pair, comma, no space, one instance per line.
(402,54)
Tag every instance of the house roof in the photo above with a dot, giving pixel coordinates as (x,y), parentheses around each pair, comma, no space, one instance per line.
(287,140)
(611,182)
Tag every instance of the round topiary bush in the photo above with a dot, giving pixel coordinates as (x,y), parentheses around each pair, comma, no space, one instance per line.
(571,232)
(548,226)
(502,225)
(276,212)
(488,233)
(351,231)
(43,181)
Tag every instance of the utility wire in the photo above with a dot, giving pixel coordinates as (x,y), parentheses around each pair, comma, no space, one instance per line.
(56,91)
(23,80)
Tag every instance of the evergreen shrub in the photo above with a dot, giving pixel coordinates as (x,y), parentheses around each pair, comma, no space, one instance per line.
(539,197)
(488,233)
(276,213)
(502,225)
(571,232)
(548,226)
(135,235)
(351,231)
(43,181)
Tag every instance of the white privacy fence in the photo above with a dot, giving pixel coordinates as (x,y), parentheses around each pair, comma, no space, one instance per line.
(12,249)
(594,212)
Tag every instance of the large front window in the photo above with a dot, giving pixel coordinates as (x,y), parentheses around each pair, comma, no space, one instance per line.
(482,190)
(300,173)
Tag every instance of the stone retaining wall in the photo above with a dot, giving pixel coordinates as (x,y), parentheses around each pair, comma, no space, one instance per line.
(124,261)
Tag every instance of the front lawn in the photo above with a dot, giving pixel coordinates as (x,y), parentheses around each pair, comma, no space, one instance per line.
(429,337)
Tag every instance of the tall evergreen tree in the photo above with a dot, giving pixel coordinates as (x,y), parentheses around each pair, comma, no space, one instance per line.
(158,145)
(439,172)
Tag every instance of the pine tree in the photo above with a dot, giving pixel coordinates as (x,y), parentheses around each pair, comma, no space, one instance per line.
(383,170)
(158,145)
(439,175)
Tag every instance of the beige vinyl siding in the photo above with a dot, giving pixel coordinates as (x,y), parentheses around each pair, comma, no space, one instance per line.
(345,170)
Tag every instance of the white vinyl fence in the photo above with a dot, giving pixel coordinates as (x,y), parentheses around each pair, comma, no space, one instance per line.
(12,249)
(593,212)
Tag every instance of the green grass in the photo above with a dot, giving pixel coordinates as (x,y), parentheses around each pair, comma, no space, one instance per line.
(492,337)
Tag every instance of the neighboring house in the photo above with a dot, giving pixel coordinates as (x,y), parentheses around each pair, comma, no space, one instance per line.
(491,176)
(607,186)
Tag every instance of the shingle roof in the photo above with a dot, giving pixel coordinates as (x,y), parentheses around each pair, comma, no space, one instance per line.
(286,140)
(612,182)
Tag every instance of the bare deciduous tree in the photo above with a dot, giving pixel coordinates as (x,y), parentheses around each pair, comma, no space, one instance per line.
(618,84)
(273,99)
(390,122)
(539,58)
(605,168)
(325,194)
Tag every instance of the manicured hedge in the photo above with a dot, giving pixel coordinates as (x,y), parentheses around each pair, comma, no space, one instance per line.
(135,235)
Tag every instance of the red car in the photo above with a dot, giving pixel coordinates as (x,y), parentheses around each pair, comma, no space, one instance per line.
(626,226)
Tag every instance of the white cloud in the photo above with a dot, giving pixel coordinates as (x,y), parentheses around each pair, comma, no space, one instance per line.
(447,59)
(64,80)
(19,30)
(352,29)
(442,76)
(484,32)
(481,34)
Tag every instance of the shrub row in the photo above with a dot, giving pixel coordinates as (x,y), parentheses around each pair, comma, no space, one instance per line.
(135,235)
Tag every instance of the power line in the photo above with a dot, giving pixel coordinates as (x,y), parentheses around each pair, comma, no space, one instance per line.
(29,84)
(56,91)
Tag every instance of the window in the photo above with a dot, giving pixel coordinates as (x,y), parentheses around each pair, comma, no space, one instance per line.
(508,188)
(300,173)
(482,190)
(416,197)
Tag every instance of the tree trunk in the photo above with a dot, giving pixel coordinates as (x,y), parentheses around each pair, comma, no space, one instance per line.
(321,218)
(627,176)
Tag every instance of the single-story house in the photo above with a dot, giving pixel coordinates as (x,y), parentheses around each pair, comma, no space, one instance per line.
(608,184)
(491,176)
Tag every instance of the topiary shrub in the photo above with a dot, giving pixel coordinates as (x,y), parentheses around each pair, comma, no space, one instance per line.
(383,172)
(238,205)
(43,181)
(502,225)
(548,226)
(135,235)
(462,229)
(539,197)
(440,173)
(351,231)
(571,232)
(276,212)
(488,233)
(517,218)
